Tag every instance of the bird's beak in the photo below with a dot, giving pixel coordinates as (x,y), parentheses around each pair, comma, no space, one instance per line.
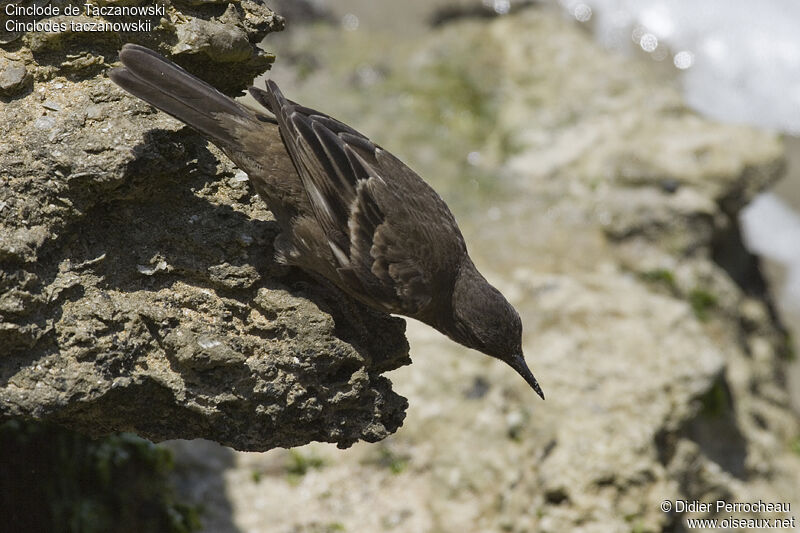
(517,362)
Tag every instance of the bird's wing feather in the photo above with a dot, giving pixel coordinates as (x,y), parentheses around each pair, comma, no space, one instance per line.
(359,198)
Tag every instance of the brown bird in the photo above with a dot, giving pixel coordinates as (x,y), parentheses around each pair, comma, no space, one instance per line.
(349,211)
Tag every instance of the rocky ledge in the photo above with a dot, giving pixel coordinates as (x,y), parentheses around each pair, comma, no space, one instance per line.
(138,290)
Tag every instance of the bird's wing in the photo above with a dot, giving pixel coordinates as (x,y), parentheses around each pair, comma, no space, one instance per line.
(385,253)
(383,234)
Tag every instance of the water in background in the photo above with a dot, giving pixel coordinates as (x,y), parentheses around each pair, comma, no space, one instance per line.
(738,61)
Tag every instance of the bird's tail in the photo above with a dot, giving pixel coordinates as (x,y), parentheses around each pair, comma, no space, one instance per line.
(170,88)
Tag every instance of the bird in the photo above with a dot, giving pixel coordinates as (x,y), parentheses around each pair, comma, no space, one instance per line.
(348,210)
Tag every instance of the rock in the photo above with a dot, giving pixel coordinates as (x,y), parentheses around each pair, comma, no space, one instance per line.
(138,290)
(223,43)
(226,32)
(52,106)
(95,112)
(13,77)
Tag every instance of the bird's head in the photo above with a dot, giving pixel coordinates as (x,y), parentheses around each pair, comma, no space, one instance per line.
(484,320)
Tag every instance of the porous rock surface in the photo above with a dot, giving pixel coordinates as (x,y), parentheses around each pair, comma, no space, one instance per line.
(138,290)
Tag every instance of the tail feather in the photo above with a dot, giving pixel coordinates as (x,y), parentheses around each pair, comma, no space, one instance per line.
(272,99)
(170,88)
(262,97)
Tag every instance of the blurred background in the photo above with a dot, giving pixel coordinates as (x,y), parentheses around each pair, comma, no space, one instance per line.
(603,158)
(626,173)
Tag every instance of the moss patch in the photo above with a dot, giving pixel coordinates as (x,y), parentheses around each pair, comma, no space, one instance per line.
(660,276)
(300,463)
(702,302)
